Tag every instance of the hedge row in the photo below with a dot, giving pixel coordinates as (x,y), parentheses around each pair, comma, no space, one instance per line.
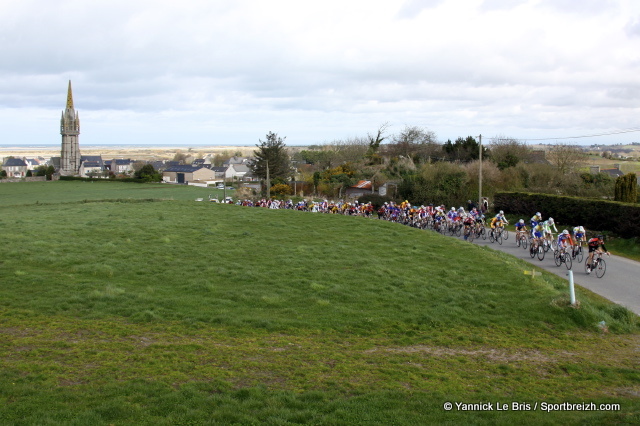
(619,218)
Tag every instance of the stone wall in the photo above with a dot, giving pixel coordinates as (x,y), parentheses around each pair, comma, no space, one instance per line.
(29,179)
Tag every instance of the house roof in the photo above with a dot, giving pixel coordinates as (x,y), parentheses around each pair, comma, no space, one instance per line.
(219,169)
(240,168)
(236,160)
(119,162)
(91,164)
(612,172)
(14,162)
(183,169)
(363,184)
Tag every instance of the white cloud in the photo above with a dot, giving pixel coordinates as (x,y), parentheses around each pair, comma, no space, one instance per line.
(226,70)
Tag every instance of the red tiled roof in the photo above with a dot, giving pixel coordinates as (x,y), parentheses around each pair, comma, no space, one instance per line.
(363,184)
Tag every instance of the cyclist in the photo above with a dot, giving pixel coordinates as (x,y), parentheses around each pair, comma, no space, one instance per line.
(521,228)
(578,234)
(496,222)
(547,224)
(536,233)
(564,240)
(594,246)
(535,219)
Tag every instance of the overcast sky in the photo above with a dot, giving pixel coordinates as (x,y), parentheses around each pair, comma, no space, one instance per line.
(218,72)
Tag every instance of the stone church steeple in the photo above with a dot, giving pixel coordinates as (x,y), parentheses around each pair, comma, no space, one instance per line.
(70,129)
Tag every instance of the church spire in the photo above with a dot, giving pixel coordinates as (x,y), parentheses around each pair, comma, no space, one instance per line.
(69,97)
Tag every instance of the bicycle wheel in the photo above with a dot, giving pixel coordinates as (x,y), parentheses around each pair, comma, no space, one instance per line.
(579,255)
(541,254)
(505,234)
(483,233)
(601,268)
(491,237)
(518,241)
(545,245)
(533,250)
(556,258)
(524,242)
(567,260)
(586,265)
(472,235)
(499,238)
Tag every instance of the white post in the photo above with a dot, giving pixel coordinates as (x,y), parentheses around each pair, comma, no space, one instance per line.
(572,292)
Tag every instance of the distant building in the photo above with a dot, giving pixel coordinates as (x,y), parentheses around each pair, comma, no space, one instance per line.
(186,174)
(91,166)
(70,158)
(359,189)
(119,166)
(15,167)
(614,172)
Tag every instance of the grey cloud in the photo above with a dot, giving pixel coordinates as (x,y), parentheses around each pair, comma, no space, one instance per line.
(633,28)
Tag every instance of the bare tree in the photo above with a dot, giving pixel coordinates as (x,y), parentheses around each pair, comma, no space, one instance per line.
(566,158)
(414,142)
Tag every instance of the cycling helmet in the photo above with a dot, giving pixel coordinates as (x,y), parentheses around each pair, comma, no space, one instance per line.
(453,209)
(521,221)
(565,232)
(539,214)
(600,237)
(501,212)
(550,220)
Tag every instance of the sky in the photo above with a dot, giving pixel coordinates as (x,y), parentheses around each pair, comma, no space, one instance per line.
(218,72)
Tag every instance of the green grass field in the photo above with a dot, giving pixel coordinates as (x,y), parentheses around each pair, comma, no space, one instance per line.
(137,311)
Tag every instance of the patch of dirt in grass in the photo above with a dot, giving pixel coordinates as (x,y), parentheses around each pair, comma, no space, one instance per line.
(497,355)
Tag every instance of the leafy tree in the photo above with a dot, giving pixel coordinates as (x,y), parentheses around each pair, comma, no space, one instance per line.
(148,174)
(464,150)
(507,152)
(281,189)
(626,189)
(272,153)
(29,173)
(49,172)
(3,173)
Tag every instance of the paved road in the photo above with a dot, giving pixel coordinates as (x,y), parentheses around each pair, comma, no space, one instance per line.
(620,284)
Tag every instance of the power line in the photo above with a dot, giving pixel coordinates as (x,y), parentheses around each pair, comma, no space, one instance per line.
(617,132)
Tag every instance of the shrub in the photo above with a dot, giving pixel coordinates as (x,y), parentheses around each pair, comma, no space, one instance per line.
(601,215)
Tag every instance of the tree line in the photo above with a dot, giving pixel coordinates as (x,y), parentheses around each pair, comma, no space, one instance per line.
(424,170)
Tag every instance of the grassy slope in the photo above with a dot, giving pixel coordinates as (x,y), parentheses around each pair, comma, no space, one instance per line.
(179,311)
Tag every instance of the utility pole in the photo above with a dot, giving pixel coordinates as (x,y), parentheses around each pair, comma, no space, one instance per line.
(268,183)
(480,178)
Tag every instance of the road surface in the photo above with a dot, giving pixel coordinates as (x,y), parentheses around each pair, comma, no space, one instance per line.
(620,284)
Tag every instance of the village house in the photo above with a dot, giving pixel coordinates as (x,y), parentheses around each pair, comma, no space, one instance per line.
(91,166)
(359,189)
(238,172)
(15,167)
(614,172)
(119,166)
(186,174)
